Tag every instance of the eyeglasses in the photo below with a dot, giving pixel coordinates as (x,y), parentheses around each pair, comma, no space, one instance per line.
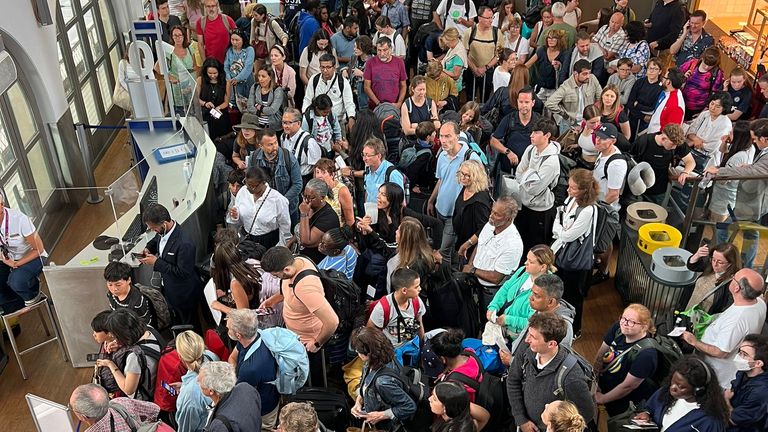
(487,17)
(366,155)
(287,122)
(326,67)
(464,175)
(628,322)
(308,198)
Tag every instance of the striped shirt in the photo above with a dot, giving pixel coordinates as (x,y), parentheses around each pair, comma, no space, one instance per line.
(343,263)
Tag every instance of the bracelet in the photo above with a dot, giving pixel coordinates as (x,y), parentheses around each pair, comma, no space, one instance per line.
(304,215)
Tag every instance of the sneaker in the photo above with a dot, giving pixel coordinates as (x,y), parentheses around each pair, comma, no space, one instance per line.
(37,299)
(577,335)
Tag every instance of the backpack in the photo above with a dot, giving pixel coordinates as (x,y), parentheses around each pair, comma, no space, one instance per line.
(406,183)
(572,360)
(489,390)
(293,37)
(316,81)
(626,197)
(386,307)
(290,356)
(560,188)
(421,35)
(605,226)
(146,389)
(389,122)
(311,124)
(488,355)
(158,304)
(416,385)
(473,33)
(410,154)
(669,353)
(224,17)
(342,293)
(303,143)
(134,424)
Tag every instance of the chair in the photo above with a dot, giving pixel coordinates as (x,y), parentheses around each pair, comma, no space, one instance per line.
(43,303)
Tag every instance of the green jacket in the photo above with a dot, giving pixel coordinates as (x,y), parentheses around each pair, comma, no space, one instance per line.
(518,311)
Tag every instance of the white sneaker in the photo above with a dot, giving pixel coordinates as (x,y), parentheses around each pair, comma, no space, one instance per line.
(40,296)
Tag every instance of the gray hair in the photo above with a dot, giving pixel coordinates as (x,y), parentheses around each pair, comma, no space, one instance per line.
(384,40)
(453,124)
(319,186)
(244,321)
(218,376)
(747,291)
(551,284)
(558,10)
(510,203)
(294,112)
(90,401)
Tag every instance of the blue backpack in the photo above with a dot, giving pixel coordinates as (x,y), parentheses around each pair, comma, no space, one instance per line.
(488,355)
(291,358)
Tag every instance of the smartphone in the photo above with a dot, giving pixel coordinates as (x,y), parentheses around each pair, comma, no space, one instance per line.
(264,311)
(136,255)
(705,242)
(170,389)
(92,357)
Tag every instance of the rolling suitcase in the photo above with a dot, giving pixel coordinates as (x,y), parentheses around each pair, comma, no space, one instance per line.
(330,404)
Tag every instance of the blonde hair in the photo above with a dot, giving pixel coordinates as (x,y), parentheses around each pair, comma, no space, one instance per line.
(478,178)
(545,256)
(643,315)
(566,418)
(298,417)
(434,69)
(249,9)
(190,347)
(449,34)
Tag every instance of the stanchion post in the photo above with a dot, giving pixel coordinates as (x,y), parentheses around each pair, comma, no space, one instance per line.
(85,150)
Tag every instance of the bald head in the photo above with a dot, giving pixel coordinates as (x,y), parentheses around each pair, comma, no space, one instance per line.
(748,284)
(616,22)
(90,402)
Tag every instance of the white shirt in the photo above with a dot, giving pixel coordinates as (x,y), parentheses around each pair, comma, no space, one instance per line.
(710,131)
(727,332)
(20,227)
(458,10)
(164,239)
(306,160)
(274,214)
(498,252)
(343,102)
(679,409)
(398,45)
(617,172)
(500,78)
(520,46)
(572,227)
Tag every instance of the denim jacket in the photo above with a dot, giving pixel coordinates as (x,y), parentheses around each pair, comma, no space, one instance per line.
(287,183)
(386,394)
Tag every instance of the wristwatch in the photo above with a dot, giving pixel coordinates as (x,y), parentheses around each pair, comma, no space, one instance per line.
(507,151)
(473,271)
(317,344)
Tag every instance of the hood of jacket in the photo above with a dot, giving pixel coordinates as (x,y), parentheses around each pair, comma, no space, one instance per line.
(538,196)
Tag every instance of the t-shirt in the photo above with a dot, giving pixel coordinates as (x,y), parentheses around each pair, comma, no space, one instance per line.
(256,366)
(325,220)
(386,86)
(344,263)
(617,172)
(514,135)
(458,10)
(344,47)
(399,330)
(132,362)
(469,369)
(216,37)
(14,228)
(482,49)
(299,309)
(659,158)
(741,100)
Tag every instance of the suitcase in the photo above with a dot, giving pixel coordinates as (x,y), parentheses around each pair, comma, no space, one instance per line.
(330,404)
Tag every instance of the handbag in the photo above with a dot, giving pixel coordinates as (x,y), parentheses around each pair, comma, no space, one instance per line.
(508,186)
(260,47)
(121,97)
(577,255)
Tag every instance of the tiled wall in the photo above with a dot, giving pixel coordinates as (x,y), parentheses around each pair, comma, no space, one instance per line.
(731,8)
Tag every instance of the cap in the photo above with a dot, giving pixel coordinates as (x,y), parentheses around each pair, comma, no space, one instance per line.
(607,131)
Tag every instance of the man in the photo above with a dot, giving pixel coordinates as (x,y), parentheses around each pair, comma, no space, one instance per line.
(623,78)
(580,90)
(482,42)
(231,8)
(720,342)
(623,7)
(330,82)
(121,293)
(398,16)
(308,23)
(91,405)
(298,417)
(282,166)
(693,40)
(585,50)
(611,38)
(173,254)
(459,14)
(499,249)
(762,84)
(343,42)
(513,134)
(167,21)
(213,31)
(660,150)
(446,190)
(532,381)
(389,85)
(537,173)
(237,404)
(752,195)
(664,24)
(747,398)
(378,170)
(289,9)
(254,362)
(558,12)
(671,106)
(309,315)
(736,87)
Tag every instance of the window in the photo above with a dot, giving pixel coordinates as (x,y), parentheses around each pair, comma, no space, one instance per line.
(67,11)
(78,54)
(97,49)
(40,173)
(23,116)
(17,196)
(7,156)
(63,71)
(106,18)
(104,86)
(92,111)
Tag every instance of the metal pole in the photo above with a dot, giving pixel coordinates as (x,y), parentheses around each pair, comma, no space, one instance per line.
(85,150)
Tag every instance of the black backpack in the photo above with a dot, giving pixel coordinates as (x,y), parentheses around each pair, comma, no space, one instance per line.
(293,38)
(406,183)
(626,197)
(572,361)
(489,391)
(340,292)
(605,228)
(473,33)
(416,385)
(316,81)
(668,350)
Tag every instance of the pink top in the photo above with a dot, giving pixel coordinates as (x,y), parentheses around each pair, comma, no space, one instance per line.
(286,80)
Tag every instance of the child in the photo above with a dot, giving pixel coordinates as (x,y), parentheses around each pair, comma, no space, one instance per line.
(503,72)
(406,309)
(235,180)
(470,114)
(322,125)
(418,171)
(440,87)
(623,78)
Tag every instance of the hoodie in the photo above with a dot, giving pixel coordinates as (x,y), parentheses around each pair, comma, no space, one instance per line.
(749,403)
(537,174)
(564,311)
(308,25)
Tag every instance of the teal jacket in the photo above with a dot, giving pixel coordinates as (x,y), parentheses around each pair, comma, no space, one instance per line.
(518,311)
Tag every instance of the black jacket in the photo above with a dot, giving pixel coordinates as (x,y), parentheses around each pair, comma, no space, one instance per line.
(241,407)
(667,21)
(472,217)
(378,241)
(177,267)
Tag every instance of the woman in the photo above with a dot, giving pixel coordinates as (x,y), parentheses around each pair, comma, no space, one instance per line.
(583,151)
(121,293)
(611,110)
(214,97)
(259,202)
(309,61)
(690,399)
(265,33)
(736,150)
(194,13)
(317,218)
(702,77)
(246,140)
(341,202)
(457,360)
(514,40)
(707,130)
(440,87)
(324,18)
(192,405)
(285,75)
(546,20)
(267,101)
(637,48)
(455,59)
(572,13)
(182,68)
(548,60)
(237,283)
(503,72)
(357,9)
(340,254)
(563,416)
(132,369)
(626,374)
(623,7)
(417,108)
(473,203)
(574,222)
(384,28)
(238,66)
(505,99)
(717,267)
(644,96)
(366,126)
(413,251)
(356,67)
(510,307)
(469,118)
(450,403)
(381,399)
(504,15)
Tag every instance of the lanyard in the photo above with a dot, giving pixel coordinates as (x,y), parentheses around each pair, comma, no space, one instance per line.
(5,237)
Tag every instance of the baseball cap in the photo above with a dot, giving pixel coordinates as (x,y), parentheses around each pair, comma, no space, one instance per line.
(607,131)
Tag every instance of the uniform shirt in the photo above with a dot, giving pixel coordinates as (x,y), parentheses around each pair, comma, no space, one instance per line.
(498,252)
(14,229)
(742,100)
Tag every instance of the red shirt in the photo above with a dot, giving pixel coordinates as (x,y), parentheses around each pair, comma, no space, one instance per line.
(674,109)
(216,36)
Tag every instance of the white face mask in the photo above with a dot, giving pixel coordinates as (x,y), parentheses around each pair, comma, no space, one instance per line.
(742,364)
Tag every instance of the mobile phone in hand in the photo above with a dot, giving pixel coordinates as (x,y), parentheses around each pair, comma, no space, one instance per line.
(92,357)
(169,388)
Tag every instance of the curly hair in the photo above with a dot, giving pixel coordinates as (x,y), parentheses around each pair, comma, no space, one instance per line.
(699,375)
(589,188)
(372,342)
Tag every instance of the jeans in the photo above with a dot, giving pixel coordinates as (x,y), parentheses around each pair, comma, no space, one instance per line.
(448,244)
(362,97)
(749,247)
(19,284)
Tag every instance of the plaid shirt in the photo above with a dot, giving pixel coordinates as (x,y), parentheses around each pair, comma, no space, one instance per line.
(615,44)
(145,411)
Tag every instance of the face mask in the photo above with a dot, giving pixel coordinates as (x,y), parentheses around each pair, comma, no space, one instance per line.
(742,364)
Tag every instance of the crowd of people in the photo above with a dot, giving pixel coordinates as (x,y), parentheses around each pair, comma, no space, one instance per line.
(413,192)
